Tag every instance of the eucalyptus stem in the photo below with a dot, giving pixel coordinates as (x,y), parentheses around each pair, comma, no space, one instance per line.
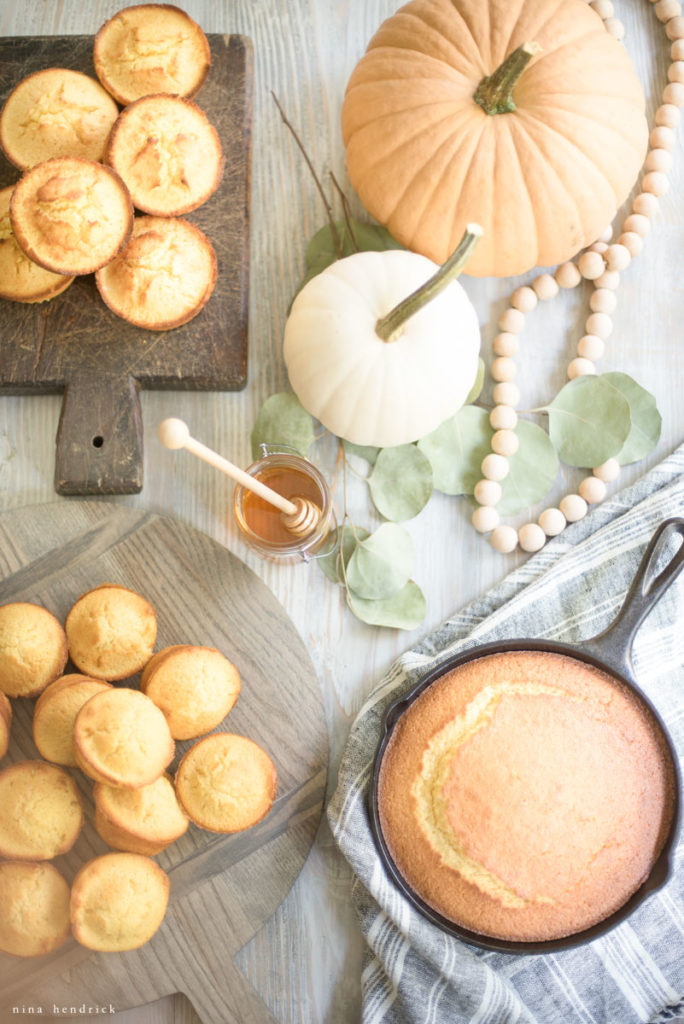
(495,92)
(389,326)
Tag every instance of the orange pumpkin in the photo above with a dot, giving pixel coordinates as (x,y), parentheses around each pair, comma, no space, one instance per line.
(447,121)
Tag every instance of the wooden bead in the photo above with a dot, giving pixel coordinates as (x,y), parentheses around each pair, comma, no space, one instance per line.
(668,114)
(646,204)
(608,470)
(606,234)
(487,492)
(603,300)
(631,241)
(504,539)
(599,247)
(485,519)
(592,490)
(495,467)
(666,9)
(525,299)
(580,368)
(591,347)
(503,369)
(675,72)
(674,93)
(591,265)
(545,287)
(573,507)
(599,324)
(677,50)
(617,257)
(611,280)
(659,160)
(567,275)
(512,321)
(506,393)
(675,29)
(505,442)
(531,537)
(614,28)
(503,417)
(662,137)
(552,521)
(637,224)
(656,183)
(604,8)
(505,344)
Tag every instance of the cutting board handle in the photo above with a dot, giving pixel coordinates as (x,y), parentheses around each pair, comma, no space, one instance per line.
(100,437)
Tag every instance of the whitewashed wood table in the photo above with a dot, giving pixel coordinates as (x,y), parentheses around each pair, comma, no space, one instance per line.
(305,963)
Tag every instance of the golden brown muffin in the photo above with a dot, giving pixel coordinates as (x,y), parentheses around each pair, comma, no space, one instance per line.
(22,280)
(164,276)
(118,902)
(5,724)
(55,113)
(168,153)
(55,713)
(71,216)
(195,687)
(142,820)
(525,795)
(40,811)
(121,738)
(154,661)
(33,649)
(151,48)
(226,783)
(35,908)
(111,632)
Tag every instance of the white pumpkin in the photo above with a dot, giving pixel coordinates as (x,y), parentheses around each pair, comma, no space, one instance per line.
(373,391)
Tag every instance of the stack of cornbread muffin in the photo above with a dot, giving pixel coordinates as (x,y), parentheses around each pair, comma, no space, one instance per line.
(88,166)
(123,739)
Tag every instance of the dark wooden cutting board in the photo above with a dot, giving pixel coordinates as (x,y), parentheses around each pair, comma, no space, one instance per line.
(223,888)
(76,345)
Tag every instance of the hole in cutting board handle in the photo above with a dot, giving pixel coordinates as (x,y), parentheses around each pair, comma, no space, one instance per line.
(98,441)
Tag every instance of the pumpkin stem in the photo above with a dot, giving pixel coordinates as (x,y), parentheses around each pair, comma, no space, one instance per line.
(389,326)
(495,92)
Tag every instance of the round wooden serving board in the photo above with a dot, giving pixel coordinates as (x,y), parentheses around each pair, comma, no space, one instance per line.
(223,888)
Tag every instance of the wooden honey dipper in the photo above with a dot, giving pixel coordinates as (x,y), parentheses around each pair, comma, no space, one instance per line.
(300,516)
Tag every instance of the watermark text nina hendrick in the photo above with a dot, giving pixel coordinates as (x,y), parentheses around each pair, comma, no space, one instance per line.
(57,1010)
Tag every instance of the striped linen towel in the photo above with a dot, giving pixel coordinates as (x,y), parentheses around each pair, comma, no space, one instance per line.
(634,974)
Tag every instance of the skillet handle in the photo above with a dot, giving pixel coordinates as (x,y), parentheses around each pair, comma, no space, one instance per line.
(614,645)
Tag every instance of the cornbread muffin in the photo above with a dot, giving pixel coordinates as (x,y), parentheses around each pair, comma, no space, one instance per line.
(164,276)
(40,811)
(151,48)
(22,280)
(121,738)
(525,795)
(54,113)
(226,783)
(118,902)
(142,820)
(5,724)
(35,908)
(167,152)
(33,649)
(111,632)
(195,687)
(71,216)
(55,713)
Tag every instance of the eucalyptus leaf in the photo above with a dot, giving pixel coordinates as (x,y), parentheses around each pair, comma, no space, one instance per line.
(324,248)
(478,383)
(346,539)
(646,420)
(363,451)
(531,471)
(456,449)
(401,482)
(403,610)
(382,564)
(589,421)
(283,420)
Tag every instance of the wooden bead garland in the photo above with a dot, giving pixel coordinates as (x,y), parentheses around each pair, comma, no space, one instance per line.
(602,264)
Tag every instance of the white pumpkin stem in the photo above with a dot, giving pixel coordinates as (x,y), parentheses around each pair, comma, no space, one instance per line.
(389,326)
(495,92)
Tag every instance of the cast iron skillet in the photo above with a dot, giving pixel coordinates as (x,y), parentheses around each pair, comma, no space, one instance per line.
(610,651)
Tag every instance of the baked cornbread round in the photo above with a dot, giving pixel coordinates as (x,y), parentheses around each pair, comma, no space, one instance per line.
(164,276)
(226,783)
(111,632)
(142,820)
(33,649)
(194,686)
(118,902)
(151,48)
(22,280)
(525,795)
(5,724)
(41,813)
(121,738)
(56,112)
(71,216)
(35,908)
(168,153)
(55,713)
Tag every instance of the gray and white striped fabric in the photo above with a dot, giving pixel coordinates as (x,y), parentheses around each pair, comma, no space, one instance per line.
(635,973)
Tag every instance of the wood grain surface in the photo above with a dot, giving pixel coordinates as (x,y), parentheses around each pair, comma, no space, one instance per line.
(223,888)
(75,344)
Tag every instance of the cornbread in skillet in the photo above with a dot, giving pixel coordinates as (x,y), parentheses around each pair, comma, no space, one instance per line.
(71,216)
(525,795)
(40,811)
(151,48)
(167,152)
(5,724)
(118,902)
(121,738)
(55,713)
(22,280)
(142,820)
(226,783)
(33,649)
(164,276)
(111,632)
(35,908)
(194,686)
(53,113)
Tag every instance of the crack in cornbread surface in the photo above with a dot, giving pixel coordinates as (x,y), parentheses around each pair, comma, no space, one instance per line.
(35,908)
(525,795)
(41,813)
(33,649)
